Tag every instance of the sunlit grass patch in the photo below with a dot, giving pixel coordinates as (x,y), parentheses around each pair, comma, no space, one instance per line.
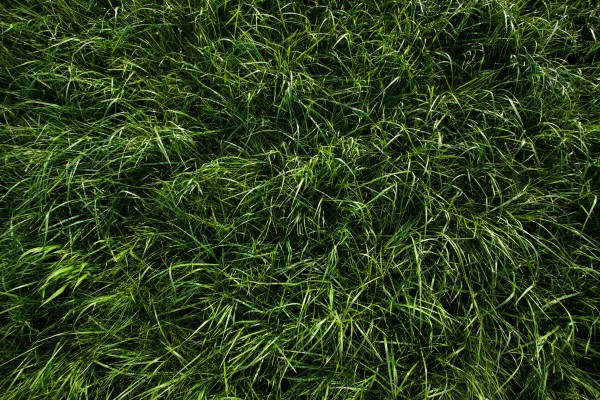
(229,199)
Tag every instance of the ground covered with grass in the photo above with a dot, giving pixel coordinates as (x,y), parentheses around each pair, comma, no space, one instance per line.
(230,199)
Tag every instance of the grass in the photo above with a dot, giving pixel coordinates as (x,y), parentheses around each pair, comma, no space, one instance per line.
(309,200)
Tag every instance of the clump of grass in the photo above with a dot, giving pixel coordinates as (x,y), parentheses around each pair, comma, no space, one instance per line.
(251,199)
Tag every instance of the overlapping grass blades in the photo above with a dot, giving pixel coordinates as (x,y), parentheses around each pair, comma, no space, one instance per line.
(252,199)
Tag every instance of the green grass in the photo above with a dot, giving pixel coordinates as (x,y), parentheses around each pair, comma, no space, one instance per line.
(230,199)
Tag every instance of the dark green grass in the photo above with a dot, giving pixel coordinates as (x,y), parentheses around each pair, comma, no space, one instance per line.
(351,200)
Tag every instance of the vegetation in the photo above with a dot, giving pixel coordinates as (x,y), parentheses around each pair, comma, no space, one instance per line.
(228,199)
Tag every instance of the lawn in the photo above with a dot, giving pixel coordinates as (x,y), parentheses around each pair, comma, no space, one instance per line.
(246,199)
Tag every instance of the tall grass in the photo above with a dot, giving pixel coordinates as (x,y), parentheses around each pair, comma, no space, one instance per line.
(308,200)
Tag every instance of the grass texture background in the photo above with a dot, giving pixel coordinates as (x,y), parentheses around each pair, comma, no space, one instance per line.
(231,199)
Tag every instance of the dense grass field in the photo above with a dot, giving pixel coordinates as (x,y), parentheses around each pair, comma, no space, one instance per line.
(228,199)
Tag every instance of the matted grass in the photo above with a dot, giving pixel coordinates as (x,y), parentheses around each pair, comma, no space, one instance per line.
(304,200)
